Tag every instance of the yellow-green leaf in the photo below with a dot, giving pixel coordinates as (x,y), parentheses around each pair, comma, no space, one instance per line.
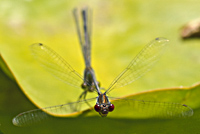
(120,30)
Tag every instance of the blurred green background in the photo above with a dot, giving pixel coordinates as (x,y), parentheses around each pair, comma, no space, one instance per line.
(120,29)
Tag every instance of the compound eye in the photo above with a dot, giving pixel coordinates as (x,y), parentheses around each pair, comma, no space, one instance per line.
(97,108)
(111,107)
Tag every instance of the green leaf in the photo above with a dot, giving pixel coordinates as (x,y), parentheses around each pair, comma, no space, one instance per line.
(5,68)
(120,31)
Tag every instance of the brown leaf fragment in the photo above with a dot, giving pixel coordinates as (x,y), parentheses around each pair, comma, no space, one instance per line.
(191,29)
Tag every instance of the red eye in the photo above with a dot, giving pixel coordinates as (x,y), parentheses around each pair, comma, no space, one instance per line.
(97,108)
(111,107)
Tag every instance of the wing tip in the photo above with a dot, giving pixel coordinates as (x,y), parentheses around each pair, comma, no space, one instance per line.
(15,122)
(162,39)
(190,111)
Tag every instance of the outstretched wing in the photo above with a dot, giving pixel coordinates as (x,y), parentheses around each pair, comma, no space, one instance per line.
(151,109)
(56,65)
(141,64)
(38,115)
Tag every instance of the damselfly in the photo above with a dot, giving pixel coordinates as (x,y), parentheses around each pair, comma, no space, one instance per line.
(85,42)
(60,69)
(137,67)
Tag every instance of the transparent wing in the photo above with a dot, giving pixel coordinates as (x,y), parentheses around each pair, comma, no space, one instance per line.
(56,65)
(148,109)
(140,64)
(38,115)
